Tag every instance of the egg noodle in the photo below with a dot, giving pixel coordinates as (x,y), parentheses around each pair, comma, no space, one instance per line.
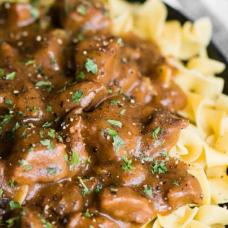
(204,144)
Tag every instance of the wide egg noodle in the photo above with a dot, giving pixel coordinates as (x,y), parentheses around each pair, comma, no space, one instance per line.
(204,144)
(178,218)
(212,215)
(206,66)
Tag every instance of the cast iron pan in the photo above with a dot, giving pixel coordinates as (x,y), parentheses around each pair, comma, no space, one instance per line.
(213,51)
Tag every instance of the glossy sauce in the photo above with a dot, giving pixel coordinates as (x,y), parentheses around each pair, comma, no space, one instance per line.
(87,120)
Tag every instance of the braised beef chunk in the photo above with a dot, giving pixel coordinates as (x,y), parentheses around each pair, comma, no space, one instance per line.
(87,121)
(87,16)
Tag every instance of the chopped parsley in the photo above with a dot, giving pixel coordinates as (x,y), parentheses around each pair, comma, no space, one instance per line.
(164,154)
(47,143)
(156,132)
(11,222)
(12,183)
(1,192)
(117,143)
(115,123)
(112,132)
(159,167)
(46,125)
(45,223)
(45,85)
(82,10)
(25,165)
(98,188)
(14,205)
(91,66)
(11,76)
(88,214)
(2,72)
(76,96)
(127,164)
(80,76)
(52,170)
(8,101)
(117,140)
(74,160)
(4,120)
(148,190)
(115,101)
(175,182)
(122,111)
(30,62)
(51,133)
(35,12)
(49,108)
(85,189)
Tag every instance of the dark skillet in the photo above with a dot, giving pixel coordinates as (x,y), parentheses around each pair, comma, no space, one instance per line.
(213,51)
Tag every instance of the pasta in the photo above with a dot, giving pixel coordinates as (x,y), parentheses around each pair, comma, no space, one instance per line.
(204,144)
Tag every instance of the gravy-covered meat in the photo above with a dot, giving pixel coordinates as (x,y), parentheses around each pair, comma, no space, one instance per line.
(87,121)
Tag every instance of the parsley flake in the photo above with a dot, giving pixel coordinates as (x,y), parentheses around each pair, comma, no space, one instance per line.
(156,132)
(25,165)
(127,164)
(148,190)
(1,192)
(85,189)
(91,66)
(158,167)
(115,123)
(117,143)
(30,62)
(47,143)
(14,205)
(88,214)
(52,170)
(49,108)
(74,160)
(76,96)
(11,222)
(45,85)
(45,223)
(80,76)
(51,133)
(11,76)
(117,140)
(82,10)
(2,72)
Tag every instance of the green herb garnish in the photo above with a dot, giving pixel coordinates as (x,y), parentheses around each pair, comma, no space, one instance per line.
(156,132)
(52,170)
(11,76)
(14,205)
(25,165)
(51,133)
(76,96)
(85,189)
(45,85)
(74,160)
(148,190)
(91,66)
(47,143)
(115,123)
(82,10)
(127,164)
(80,76)
(159,167)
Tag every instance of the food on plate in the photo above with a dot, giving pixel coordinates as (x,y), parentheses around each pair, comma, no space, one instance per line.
(110,116)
